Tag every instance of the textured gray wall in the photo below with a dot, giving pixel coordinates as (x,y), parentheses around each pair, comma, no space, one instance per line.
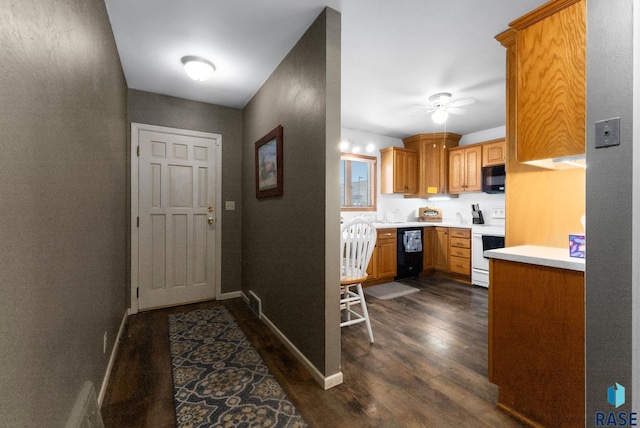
(609,205)
(63,210)
(162,110)
(284,251)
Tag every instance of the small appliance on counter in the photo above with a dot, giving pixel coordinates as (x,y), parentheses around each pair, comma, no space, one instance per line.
(430,214)
(476,214)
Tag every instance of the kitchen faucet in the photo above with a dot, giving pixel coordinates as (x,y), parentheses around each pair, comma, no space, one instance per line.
(459,217)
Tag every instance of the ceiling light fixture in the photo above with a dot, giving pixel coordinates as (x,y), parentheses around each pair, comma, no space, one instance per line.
(354,147)
(440,115)
(199,69)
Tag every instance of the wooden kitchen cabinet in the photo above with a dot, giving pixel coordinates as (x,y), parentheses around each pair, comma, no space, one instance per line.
(465,169)
(441,249)
(428,248)
(399,170)
(382,267)
(433,162)
(494,152)
(460,251)
(536,342)
(530,188)
(550,73)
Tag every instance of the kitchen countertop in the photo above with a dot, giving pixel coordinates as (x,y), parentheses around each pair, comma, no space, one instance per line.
(538,255)
(380,225)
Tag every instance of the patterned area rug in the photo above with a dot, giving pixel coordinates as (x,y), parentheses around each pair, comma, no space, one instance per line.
(219,379)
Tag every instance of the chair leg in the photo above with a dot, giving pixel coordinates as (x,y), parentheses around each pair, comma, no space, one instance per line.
(365,312)
(347,304)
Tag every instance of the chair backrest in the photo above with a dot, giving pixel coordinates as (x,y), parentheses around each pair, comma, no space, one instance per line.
(357,240)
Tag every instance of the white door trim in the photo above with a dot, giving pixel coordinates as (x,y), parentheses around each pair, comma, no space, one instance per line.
(135,129)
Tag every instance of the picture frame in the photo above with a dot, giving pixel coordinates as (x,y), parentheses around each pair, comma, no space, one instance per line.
(269,166)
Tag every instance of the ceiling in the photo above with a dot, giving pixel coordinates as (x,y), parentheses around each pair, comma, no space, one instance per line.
(395,54)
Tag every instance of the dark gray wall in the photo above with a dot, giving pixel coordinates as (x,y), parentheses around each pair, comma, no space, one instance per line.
(63,209)
(162,110)
(288,241)
(609,205)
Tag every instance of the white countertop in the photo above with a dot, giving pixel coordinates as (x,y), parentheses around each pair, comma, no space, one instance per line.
(380,225)
(537,255)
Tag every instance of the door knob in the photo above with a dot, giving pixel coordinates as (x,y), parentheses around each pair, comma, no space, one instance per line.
(210,220)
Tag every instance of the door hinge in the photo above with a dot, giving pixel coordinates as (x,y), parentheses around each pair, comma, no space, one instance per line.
(137,221)
(137,293)
(138,151)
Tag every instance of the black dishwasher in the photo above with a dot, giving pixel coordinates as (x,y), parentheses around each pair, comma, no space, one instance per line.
(409,256)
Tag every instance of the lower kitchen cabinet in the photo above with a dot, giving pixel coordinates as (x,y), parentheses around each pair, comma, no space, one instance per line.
(428,248)
(382,267)
(460,251)
(536,342)
(441,249)
(452,251)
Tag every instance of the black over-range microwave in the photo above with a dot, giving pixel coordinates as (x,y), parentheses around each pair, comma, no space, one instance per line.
(493,179)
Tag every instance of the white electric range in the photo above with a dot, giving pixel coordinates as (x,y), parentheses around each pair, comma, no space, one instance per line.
(484,237)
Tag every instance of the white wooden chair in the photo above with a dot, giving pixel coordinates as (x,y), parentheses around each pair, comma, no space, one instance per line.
(357,240)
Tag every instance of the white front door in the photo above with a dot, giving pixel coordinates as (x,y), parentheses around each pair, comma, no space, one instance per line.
(177,211)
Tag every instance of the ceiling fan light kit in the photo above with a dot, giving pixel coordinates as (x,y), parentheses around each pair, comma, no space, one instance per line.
(198,69)
(440,115)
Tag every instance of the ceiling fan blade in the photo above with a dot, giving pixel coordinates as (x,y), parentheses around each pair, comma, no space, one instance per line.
(463,102)
(421,113)
(456,110)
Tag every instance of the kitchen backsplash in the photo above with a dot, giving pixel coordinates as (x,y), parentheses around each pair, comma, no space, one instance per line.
(408,208)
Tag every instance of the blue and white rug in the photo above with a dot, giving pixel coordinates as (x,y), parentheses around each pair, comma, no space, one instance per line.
(219,379)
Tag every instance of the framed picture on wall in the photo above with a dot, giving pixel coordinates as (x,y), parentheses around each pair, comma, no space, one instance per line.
(269,164)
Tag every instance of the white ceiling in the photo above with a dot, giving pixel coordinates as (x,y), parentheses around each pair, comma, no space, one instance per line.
(395,54)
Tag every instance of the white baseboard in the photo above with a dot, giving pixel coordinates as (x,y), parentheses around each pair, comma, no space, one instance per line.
(231,295)
(114,350)
(325,381)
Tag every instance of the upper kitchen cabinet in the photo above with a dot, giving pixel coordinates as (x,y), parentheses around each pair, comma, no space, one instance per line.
(433,161)
(399,169)
(465,169)
(545,119)
(550,74)
(494,152)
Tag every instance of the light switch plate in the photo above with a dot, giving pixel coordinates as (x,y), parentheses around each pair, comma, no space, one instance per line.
(229,205)
(608,133)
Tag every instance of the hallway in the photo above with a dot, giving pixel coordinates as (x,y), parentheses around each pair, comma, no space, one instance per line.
(427,368)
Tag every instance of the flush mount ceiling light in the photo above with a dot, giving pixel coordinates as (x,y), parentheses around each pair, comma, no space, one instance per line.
(199,69)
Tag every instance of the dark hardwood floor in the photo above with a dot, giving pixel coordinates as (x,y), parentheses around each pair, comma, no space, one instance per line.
(427,368)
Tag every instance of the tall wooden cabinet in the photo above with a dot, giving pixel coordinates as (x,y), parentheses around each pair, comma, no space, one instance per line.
(433,161)
(399,170)
(545,56)
(465,169)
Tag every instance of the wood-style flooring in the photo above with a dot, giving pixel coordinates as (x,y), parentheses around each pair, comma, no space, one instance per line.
(427,368)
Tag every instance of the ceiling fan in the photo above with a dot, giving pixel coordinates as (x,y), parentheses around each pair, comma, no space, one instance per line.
(441,106)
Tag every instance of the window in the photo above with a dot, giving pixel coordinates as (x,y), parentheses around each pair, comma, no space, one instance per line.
(357,182)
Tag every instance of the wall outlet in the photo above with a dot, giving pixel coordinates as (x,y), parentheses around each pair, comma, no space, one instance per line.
(104,343)
(497,212)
